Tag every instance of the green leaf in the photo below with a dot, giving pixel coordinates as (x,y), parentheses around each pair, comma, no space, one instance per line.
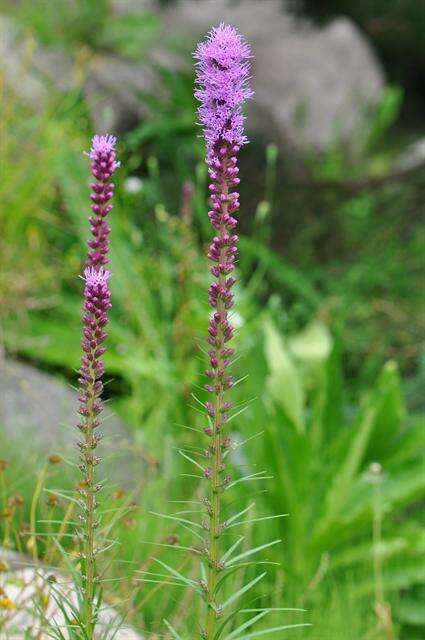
(172,630)
(312,345)
(250,552)
(390,414)
(180,520)
(410,611)
(243,590)
(409,572)
(190,583)
(327,415)
(264,632)
(348,469)
(191,460)
(283,382)
(231,549)
(246,624)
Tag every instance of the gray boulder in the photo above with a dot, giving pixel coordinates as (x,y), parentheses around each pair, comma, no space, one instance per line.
(28,72)
(39,413)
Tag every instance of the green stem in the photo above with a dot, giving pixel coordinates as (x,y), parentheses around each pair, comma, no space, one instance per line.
(377,535)
(90,505)
(215,521)
(33,513)
(216,488)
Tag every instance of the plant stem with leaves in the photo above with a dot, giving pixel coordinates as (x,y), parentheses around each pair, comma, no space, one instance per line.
(222,77)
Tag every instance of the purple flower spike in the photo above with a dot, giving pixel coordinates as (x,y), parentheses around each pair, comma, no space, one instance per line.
(103,165)
(222,77)
(222,88)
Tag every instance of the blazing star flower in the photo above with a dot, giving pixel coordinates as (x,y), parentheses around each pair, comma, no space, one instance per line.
(222,77)
(103,165)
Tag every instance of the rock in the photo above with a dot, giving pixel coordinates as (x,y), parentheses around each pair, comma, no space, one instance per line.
(30,89)
(26,67)
(22,586)
(112,90)
(39,413)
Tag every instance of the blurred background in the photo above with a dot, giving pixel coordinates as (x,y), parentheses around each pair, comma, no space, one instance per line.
(330,299)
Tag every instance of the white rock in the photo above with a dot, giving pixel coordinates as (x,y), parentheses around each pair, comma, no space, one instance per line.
(26,587)
(39,413)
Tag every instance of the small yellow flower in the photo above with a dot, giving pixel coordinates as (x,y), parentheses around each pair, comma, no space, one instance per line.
(44,599)
(30,544)
(7,603)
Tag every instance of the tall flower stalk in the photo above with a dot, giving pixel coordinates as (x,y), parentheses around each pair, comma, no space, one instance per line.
(95,318)
(223,68)
(222,79)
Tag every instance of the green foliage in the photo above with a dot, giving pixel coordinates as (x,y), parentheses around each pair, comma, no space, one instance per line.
(319,449)
(82,23)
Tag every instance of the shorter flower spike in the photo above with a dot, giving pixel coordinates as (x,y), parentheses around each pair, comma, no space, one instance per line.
(103,165)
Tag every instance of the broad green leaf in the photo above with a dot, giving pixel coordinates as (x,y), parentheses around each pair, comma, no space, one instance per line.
(312,345)
(283,382)
(398,488)
(327,414)
(348,469)
(390,414)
